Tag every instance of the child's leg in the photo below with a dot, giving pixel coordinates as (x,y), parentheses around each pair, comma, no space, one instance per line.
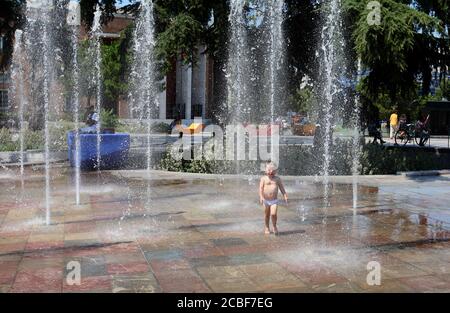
(273,213)
(267,218)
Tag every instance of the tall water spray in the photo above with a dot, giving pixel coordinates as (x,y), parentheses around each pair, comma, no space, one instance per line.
(46,90)
(276,52)
(73,20)
(242,61)
(276,58)
(38,32)
(39,48)
(330,50)
(236,70)
(18,98)
(237,64)
(143,96)
(356,147)
(97,78)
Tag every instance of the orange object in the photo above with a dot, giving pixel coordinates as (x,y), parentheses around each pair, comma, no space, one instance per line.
(304,130)
(196,128)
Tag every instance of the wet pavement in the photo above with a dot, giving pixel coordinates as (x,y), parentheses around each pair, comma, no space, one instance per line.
(171,232)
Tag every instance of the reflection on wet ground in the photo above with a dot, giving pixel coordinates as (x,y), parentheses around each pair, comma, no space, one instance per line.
(194,233)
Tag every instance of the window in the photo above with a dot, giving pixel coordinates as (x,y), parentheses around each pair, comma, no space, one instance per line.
(2,43)
(4,77)
(4,105)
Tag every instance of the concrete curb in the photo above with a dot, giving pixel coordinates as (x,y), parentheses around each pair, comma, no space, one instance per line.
(424,173)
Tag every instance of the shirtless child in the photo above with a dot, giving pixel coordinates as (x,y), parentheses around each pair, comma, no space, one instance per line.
(268,196)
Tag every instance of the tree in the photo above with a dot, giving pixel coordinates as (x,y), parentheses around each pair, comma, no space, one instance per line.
(441,53)
(11,18)
(395,51)
(88,8)
(182,25)
(302,31)
(112,69)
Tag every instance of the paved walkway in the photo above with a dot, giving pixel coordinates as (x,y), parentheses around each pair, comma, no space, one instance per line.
(195,233)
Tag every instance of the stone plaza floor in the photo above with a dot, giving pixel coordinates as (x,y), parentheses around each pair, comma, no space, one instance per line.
(171,232)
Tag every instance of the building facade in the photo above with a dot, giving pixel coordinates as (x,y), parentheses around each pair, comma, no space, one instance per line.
(187,91)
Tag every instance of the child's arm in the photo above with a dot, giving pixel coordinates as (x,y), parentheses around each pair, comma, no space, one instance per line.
(261,190)
(283,191)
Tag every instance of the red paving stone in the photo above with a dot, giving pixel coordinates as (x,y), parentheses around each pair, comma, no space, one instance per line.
(426,283)
(181,281)
(314,274)
(38,280)
(128,268)
(91,284)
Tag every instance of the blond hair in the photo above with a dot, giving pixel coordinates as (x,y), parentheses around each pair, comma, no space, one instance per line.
(271,165)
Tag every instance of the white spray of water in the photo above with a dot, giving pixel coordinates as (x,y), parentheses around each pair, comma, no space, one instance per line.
(18,78)
(95,33)
(237,63)
(330,35)
(143,96)
(46,50)
(276,51)
(76,106)
(356,145)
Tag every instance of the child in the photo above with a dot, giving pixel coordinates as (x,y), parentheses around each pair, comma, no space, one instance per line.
(268,196)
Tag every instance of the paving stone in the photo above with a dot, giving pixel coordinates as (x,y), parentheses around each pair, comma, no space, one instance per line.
(201,236)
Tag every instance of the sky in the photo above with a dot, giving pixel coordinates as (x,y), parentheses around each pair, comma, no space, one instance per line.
(124,2)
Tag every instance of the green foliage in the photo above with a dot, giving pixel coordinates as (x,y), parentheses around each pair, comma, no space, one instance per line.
(34,140)
(134,128)
(87,68)
(184,25)
(109,119)
(302,31)
(378,160)
(171,164)
(443,92)
(395,51)
(112,70)
(11,18)
(9,141)
(180,38)
(88,8)
(303,100)
(142,128)
(303,160)
(6,142)
(160,128)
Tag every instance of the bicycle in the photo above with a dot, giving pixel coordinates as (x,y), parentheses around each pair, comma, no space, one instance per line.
(422,136)
(405,134)
(412,133)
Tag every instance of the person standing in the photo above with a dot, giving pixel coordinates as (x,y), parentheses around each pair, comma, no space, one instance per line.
(393,121)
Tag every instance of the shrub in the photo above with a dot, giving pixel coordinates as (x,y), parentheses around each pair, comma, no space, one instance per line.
(378,160)
(108,119)
(34,140)
(142,128)
(305,160)
(160,128)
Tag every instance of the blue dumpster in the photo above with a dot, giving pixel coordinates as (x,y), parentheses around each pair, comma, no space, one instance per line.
(114,149)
